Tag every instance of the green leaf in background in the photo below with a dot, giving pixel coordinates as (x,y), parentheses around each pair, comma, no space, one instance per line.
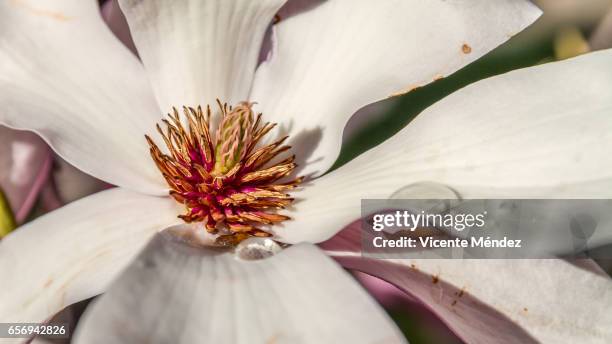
(7,220)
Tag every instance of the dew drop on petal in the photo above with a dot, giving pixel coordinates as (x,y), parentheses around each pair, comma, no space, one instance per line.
(255,248)
(425,190)
(440,197)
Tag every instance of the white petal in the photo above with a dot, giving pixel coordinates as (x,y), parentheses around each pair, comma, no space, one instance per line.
(64,75)
(39,340)
(544,131)
(344,54)
(196,51)
(73,253)
(174,293)
(498,301)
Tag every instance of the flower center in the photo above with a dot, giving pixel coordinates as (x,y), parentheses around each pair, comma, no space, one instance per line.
(228,182)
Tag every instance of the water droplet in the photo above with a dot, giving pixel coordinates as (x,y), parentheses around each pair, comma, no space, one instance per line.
(257,248)
(425,190)
(440,198)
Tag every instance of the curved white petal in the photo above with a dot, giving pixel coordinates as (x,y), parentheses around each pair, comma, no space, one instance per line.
(25,166)
(497,301)
(39,340)
(196,51)
(341,55)
(183,294)
(73,253)
(544,131)
(64,75)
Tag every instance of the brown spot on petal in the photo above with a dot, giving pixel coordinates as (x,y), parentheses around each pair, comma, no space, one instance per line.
(48,283)
(466,49)
(273,339)
(454,302)
(435,279)
(40,12)
(404,91)
(525,309)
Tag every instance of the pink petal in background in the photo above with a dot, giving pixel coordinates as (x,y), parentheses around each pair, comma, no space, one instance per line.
(25,167)
(423,323)
(114,18)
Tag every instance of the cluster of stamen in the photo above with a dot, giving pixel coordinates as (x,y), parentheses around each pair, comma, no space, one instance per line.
(228,182)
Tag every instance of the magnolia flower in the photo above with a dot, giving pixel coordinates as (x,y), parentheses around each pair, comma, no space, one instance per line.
(539,132)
